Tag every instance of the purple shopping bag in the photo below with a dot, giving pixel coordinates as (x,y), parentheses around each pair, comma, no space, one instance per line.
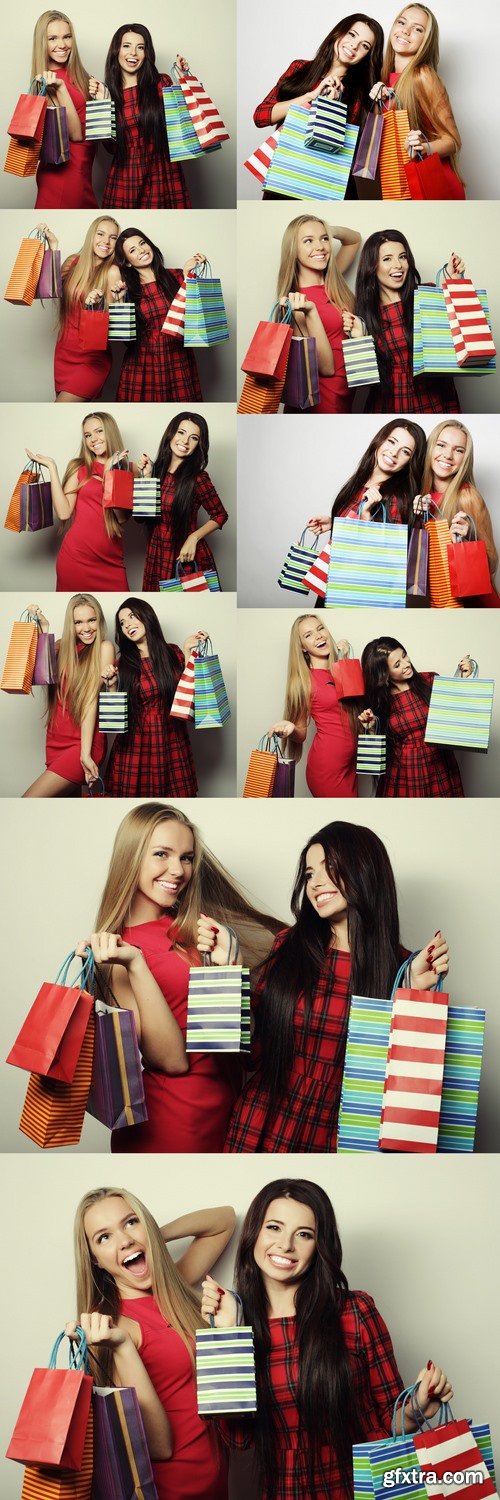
(55,139)
(117,1090)
(50,280)
(370,140)
(417,573)
(284,781)
(122,1466)
(35,505)
(45,673)
(302,375)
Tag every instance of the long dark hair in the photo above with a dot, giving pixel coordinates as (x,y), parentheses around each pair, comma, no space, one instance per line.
(358,80)
(377,680)
(150,114)
(402,486)
(325,1391)
(186,475)
(367,295)
(131,276)
(357,861)
(161,657)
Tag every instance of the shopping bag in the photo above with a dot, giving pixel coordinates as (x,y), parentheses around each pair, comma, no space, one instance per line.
(259,162)
(116,1095)
(146,498)
(367,155)
(17,676)
(417,570)
(22,159)
(297,563)
(183,143)
(198,582)
(373,1460)
(50,280)
(367,563)
(122,322)
(327,124)
(52,1424)
(23,280)
(225,1369)
(113,711)
(411,1103)
(218,1009)
(451,1450)
(62,1484)
(118,488)
(371,759)
(470,329)
(260,396)
(348,677)
(100,120)
(122,1465)
(211,707)
(427,179)
(461,1079)
(317,575)
(35,500)
(360,360)
(93,789)
(27,122)
(434,351)
(51,1038)
(205,321)
(55,150)
(469,567)
(206,119)
(174,321)
(269,349)
(53,1112)
(182,706)
(440,590)
(301,390)
(284,780)
(45,672)
(93,329)
(13,518)
(460,712)
(262,767)
(392,156)
(297,171)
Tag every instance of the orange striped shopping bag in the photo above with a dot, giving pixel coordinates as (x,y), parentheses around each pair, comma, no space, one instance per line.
(25,274)
(392,158)
(53,1113)
(262,767)
(260,395)
(22,158)
(57,1484)
(17,676)
(440,590)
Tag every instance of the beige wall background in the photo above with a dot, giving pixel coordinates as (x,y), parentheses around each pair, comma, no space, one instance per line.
(435,639)
(56,859)
(28,561)
(421,1243)
(209,49)
(29,333)
(22,726)
(269,40)
(470,229)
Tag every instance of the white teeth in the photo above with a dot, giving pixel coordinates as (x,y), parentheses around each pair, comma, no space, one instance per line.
(131,1258)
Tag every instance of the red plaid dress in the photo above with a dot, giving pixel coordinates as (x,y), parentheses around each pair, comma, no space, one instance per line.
(263,112)
(157,367)
(145,180)
(161,555)
(155,758)
(424,393)
(414,768)
(377,1383)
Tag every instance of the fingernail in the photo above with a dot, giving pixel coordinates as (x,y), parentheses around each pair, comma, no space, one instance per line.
(431,1390)
(431,949)
(429,1364)
(436,934)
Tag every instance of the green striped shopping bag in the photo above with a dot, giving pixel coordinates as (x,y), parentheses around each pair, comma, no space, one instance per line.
(113,711)
(147,498)
(211,707)
(327,124)
(360,360)
(100,120)
(460,711)
(397,1457)
(225,1369)
(367,563)
(433,348)
(299,171)
(122,322)
(218,1012)
(205,321)
(298,561)
(371,759)
(183,143)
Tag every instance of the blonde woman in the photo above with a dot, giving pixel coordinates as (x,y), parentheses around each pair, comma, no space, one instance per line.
(74,747)
(311,280)
(311,694)
(140,1310)
(79,372)
(448,479)
(56,59)
(167,901)
(91,552)
(410,68)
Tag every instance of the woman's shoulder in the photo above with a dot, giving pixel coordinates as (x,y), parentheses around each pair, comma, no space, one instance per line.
(164,81)
(359,1315)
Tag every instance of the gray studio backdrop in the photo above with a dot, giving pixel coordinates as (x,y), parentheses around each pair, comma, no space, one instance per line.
(287,474)
(28,561)
(270,38)
(435,639)
(29,333)
(205,36)
(22,724)
(61,853)
(471,229)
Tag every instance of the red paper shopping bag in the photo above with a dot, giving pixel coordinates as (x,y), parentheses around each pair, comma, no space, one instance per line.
(118,489)
(348,678)
(413,1085)
(470,330)
(451,1449)
(269,349)
(51,1038)
(469,569)
(52,1424)
(29,115)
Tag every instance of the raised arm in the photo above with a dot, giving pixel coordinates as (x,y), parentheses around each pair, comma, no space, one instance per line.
(210,1230)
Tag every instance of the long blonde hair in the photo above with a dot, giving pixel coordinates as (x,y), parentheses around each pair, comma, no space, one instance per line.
(96,1289)
(210,889)
(79,672)
(83,273)
(454,498)
(40,56)
(298,690)
(414,86)
(114,444)
(336,288)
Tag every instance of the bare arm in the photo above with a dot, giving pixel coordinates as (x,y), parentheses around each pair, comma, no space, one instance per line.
(63,500)
(128,1370)
(161,1039)
(432,95)
(350,242)
(211,1230)
(64,100)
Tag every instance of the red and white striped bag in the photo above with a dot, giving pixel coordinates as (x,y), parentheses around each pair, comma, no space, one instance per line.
(205,118)
(260,160)
(317,577)
(451,1449)
(470,330)
(174,321)
(183,699)
(413,1086)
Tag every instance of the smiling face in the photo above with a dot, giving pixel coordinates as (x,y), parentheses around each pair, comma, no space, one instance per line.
(400,667)
(286,1243)
(131,626)
(185,440)
(449,453)
(137,252)
(105,239)
(396,451)
(86,624)
(409,31)
(325,895)
(313,247)
(392,267)
(118,1243)
(314,639)
(59,44)
(355,46)
(167,865)
(132,52)
(95,437)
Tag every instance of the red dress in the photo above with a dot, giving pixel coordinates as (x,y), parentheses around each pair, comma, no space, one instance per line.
(157,367)
(331,762)
(454,185)
(89,559)
(473,601)
(145,180)
(186,1111)
(63,741)
(377,1383)
(263,112)
(81,374)
(154,759)
(334,392)
(69,186)
(414,768)
(407,393)
(197,1469)
(161,556)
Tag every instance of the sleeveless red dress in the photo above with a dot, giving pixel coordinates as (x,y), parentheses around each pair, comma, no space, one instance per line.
(197,1469)
(89,559)
(81,374)
(69,186)
(331,762)
(62,744)
(334,392)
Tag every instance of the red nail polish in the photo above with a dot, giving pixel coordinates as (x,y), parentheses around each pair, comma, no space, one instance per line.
(429,1364)
(431,1390)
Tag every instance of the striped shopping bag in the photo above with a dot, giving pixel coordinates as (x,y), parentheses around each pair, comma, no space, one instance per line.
(199,582)
(206,119)
(113,711)
(450,1450)
(53,1113)
(259,162)
(122,321)
(411,1103)
(211,707)
(297,563)
(182,706)
(261,396)
(100,120)
(373,1460)
(470,329)
(62,1484)
(371,759)
(174,321)
(225,1371)
(327,124)
(440,591)
(205,321)
(460,712)
(22,158)
(461,1079)
(261,774)
(25,275)
(360,360)
(19,667)
(316,577)
(183,143)
(367,564)
(297,171)
(434,352)
(146,504)
(116,1095)
(218,1010)
(392,156)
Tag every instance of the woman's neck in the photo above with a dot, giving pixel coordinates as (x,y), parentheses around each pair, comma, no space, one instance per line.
(377,477)
(439,486)
(340,935)
(400,63)
(174,464)
(318,664)
(146,276)
(281,1299)
(143,909)
(143,649)
(400,687)
(310,278)
(129,81)
(388,296)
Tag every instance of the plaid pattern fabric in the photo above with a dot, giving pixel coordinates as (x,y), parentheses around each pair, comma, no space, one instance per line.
(145,180)
(415,769)
(161,555)
(263,112)
(428,393)
(155,758)
(157,368)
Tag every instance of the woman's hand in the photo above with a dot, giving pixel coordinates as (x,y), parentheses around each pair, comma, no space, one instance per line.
(110,675)
(193,641)
(52,241)
(421,503)
(299,303)
(466,667)
(214,939)
(430,963)
(459,526)
(90,768)
(284,728)
(51,79)
(99,1329)
(145,466)
(381,91)
(371,498)
(196,260)
(353,327)
(455,266)
(41,458)
(417,141)
(318,524)
(433,1389)
(96,90)
(343,648)
(182,63)
(368,720)
(188,549)
(93,297)
(115,458)
(219,1304)
(109,948)
(332,87)
(38,615)
(117,287)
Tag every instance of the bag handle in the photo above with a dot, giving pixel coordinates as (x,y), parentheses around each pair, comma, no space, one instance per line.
(284,314)
(200,272)
(315,543)
(39,235)
(38,86)
(474,673)
(239,1309)
(92,784)
(106,687)
(380,506)
(92,307)
(204,648)
(271,745)
(464,538)
(87,972)
(233,946)
(405,967)
(181,567)
(409,1397)
(78,1350)
(377,727)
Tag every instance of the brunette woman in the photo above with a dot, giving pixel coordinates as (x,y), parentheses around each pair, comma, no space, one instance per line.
(91,552)
(142,1310)
(167,901)
(186,487)
(448,478)
(154,757)
(399,696)
(79,373)
(311,281)
(386,476)
(156,367)
(56,60)
(311,693)
(345,941)
(74,746)
(410,70)
(141,175)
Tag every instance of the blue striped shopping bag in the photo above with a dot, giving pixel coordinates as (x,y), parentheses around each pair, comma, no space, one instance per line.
(434,351)
(299,171)
(327,124)
(183,143)
(205,321)
(100,120)
(122,322)
(396,1457)
(113,711)
(218,1012)
(146,498)
(298,561)
(360,360)
(367,563)
(225,1369)
(371,759)
(211,707)
(460,711)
